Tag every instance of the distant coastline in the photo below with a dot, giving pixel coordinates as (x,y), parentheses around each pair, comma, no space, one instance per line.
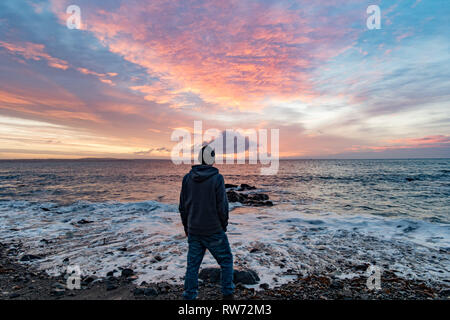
(165,159)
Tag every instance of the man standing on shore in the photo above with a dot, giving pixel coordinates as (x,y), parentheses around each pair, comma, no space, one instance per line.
(204,213)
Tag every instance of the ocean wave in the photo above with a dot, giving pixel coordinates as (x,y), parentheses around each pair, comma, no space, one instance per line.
(276,243)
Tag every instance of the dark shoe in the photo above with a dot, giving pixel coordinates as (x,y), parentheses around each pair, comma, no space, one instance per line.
(228,297)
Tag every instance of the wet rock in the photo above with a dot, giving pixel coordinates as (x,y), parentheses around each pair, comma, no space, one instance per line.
(346,293)
(245,186)
(229,185)
(110,286)
(257,203)
(256,200)
(409,229)
(361,267)
(45,209)
(240,276)
(12,252)
(246,276)
(157,258)
(234,196)
(29,257)
(445,292)
(84,221)
(138,291)
(259,197)
(164,287)
(111,273)
(58,292)
(336,285)
(264,286)
(14,295)
(89,279)
(127,272)
(58,285)
(150,292)
(122,249)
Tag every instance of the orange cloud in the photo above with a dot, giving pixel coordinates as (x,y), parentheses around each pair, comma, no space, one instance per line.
(228,54)
(34,51)
(9,98)
(101,76)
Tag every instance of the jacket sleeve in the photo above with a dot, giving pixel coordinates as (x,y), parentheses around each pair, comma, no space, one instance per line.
(182,209)
(222,203)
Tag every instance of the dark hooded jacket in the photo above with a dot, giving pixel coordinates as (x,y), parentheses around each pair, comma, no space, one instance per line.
(203,201)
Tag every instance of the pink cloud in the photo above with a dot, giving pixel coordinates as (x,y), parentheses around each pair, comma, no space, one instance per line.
(34,51)
(407,143)
(228,53)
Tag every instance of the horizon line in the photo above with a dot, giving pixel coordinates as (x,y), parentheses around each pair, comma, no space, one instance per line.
(166,159)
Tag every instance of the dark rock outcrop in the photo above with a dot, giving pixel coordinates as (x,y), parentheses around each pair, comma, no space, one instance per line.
(245,186)
(234,196)
(248,199)
(240,276)
(246,277)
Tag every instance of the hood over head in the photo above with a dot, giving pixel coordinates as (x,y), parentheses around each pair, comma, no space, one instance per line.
(200,173)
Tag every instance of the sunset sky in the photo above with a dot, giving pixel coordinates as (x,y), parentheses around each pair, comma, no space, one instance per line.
(137,70)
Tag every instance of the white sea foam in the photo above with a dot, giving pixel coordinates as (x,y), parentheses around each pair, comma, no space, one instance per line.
(284,243)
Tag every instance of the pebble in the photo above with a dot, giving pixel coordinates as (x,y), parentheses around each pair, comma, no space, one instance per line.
(58,292)
(127,272)
(150,292)
(110,286)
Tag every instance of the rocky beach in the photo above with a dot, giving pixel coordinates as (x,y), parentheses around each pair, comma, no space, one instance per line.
(22,282)
(300,235)
(20,279)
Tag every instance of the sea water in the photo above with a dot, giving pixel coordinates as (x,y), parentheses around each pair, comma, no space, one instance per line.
(329,216)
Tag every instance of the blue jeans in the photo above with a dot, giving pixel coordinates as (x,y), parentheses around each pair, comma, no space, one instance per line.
(219,247)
